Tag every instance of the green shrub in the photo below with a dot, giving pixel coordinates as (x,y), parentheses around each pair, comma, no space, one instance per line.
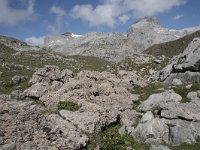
(146,91)
(68,105)
(110,139)
(182,91)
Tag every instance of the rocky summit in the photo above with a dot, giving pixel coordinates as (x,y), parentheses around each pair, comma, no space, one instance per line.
(138,90)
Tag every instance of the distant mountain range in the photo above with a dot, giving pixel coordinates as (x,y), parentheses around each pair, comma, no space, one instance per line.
(115,46)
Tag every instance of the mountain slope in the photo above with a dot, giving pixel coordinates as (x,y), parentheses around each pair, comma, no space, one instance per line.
(172,48)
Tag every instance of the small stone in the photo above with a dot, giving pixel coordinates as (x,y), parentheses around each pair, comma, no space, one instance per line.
(176,82)
(159,147)
(157,61)
(188,86)
(122,130)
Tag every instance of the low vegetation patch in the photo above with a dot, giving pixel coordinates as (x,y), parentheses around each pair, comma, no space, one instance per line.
(110,139)
(68,105)
(185,146)
(183,91)
(146,91)
(172,48)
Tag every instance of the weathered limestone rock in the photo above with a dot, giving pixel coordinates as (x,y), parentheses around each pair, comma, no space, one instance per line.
(91,118)
(152,131)
(182,131)
(155,101)
(159,147)
(186,63)
(25,126)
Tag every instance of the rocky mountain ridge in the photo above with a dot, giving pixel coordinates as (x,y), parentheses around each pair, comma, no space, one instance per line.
(116,46)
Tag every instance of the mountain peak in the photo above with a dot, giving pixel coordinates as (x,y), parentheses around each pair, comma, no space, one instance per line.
(146,21)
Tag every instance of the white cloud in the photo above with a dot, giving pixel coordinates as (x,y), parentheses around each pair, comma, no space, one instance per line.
(60,13)
(12,16)
(35,41)
(177,17)
(124,18)
(110,12)
(101,15)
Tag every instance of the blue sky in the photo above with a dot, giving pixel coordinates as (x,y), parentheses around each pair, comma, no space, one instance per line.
(23,19)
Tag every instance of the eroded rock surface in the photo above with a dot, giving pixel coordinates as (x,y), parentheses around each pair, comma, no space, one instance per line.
(185,66)
(25,126)
(167,119)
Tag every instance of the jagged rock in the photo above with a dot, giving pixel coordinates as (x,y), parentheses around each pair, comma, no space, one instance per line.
(91,118)
(185,66)
(1,73)
(155,101)
(159,147)
(129,118)
(187,77)
(188,111)
(25,126)
(39,89)
(64,134)
(51,73)
(182,131)
(104,89)
(147,117)
(194,96)
(152,131)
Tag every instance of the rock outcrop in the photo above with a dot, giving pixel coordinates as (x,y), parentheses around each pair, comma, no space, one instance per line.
(24,125)
(185,67)
(103,97)
(167,119)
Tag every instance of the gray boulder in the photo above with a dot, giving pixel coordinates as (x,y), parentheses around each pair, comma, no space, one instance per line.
(155,101)
(185,66)
(152,131)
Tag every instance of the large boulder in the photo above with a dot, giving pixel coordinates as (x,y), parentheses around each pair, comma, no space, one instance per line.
(185,66)
(155,101)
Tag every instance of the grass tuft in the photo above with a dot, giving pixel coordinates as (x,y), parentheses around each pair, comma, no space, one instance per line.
(68,105)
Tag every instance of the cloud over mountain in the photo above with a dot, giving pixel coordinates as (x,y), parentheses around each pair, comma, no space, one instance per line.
(111,12)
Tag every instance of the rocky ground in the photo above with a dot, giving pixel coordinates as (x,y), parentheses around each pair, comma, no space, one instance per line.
(145,101)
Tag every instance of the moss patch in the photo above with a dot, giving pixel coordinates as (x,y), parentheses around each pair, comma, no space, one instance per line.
(172,48)
(146,91)
(182,91)
(110,139)
(68,105)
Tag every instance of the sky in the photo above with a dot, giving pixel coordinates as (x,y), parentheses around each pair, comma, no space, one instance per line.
(32,20)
